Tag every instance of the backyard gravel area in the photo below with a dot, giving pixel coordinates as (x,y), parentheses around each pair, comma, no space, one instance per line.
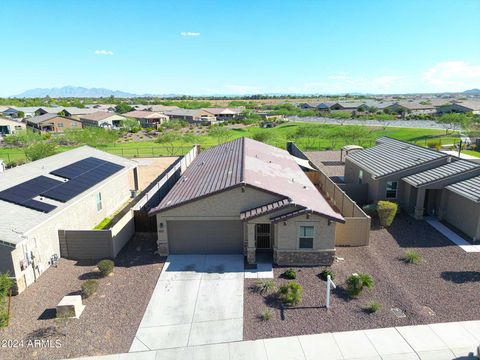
(447,282)
(111,316)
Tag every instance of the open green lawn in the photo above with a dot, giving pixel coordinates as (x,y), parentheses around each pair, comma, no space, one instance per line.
(306,136)
(471,152)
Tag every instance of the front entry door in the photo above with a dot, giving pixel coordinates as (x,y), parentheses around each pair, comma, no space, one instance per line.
(262,236)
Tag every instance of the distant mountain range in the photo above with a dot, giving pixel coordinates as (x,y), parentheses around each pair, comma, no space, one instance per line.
(74,91)
(472,92)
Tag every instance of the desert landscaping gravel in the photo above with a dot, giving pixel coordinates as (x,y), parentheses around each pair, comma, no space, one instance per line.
(111,316)
(447,282)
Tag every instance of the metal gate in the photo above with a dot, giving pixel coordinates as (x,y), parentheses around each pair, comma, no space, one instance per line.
(262,236)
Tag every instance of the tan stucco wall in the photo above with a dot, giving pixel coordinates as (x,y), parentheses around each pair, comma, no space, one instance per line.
(81,215)
(462,213)
(12,125)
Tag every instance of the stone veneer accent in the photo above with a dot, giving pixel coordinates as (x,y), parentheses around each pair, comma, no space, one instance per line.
(162,248)
(292,257)
(251,256)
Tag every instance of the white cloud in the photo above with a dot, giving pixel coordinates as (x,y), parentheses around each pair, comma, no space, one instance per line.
(453,76)
(103,52)
(340,76)
(189,33)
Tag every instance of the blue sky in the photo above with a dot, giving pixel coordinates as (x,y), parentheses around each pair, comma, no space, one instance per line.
(240,47)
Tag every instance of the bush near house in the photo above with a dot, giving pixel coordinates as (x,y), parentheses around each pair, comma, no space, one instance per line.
(290,274)
(264,286)
(357,282)
(386,212)
(266,315)
(291,293)
(323,275)
(105,267)
(370,210)
(89,288)
(373,307)
(412,257)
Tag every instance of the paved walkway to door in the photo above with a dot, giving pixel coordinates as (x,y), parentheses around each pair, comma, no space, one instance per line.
(198,300)
(452,236)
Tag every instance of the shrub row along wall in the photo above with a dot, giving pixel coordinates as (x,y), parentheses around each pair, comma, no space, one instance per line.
(356,230)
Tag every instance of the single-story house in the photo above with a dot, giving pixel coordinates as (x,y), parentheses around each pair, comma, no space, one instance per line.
(412,108)
(28,111)
(147,119)
(225,113)
(192,115)
(162,108)
(348,106)
(383,166)
(8,111)
(73,190)
(424,182)
(102,119)
(53,123)
(8,126)
(245,196)
(102,107)
(461,107)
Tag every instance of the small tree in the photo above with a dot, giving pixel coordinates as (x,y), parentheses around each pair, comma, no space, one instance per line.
(222,134)
(386,212)
(169,139)
(40,150)
(123,108)
(291,293)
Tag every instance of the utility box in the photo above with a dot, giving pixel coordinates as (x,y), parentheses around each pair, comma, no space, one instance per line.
(70,306)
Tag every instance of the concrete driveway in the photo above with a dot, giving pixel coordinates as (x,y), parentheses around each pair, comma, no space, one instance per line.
(198,300)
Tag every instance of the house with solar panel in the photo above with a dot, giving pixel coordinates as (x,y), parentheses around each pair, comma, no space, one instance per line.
(246,197)
(73,190)
(423,181)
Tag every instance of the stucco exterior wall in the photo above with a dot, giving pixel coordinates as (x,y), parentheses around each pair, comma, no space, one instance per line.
(455,212)
(43,240)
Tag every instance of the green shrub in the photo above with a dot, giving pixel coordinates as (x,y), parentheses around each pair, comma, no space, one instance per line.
(6,283)
(106,267)
(291,293)
(357,282)
(290,274)
(386,212)
(89,288)
(373,307)
(266,315)
(264,286)
(370,209)
(412,257)
(325,273)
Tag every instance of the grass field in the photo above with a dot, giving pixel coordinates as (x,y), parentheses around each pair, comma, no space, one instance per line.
(471,152)
(306,136)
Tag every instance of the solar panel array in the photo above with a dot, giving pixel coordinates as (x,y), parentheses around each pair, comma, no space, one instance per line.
(81,176)
(23,194)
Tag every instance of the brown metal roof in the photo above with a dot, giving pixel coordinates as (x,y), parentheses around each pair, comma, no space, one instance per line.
(246,162)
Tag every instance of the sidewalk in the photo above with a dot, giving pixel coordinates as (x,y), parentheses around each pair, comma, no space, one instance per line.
(452,236)
(456,340)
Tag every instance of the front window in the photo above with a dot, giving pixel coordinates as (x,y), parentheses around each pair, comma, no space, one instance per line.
(99,202)
(60,125)
(391,189)
(305,237)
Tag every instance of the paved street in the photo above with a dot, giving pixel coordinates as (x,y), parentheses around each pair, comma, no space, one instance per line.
(198,300)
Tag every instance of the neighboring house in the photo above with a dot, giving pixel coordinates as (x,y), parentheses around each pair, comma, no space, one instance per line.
(312,105)
(147,119)
(242,197)
(77,112)
(103,119)
(348,106)
(424,182)
(460,107)
(224,113)
(192,115)
(8,127)
(162,108)
(28,111)
(412,108)
(73,190)
(102,107)
(383,166)
(8,111)
(53,123)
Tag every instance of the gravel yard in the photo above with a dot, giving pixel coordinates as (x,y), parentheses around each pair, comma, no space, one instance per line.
(447,282)
(111,317)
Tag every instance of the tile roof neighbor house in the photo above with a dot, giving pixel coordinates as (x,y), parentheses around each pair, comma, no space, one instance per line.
(412,107)
(424,182)
(242,196)
(466,106)
(73,190)
(224,113)
(146,118)
(102,119)
(10,126)
(53,123)
(192,115)
(162,108)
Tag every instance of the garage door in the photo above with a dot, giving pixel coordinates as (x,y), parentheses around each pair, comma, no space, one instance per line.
(205,237)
